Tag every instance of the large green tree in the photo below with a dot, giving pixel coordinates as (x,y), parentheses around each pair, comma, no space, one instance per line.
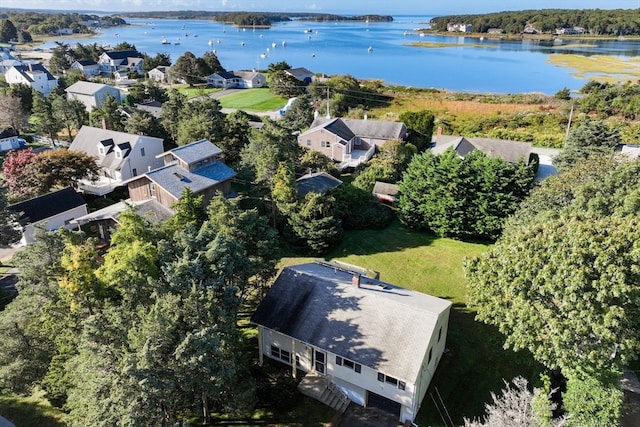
(8,31)
(589,139)
(561,281)
(316,223)
(466,197)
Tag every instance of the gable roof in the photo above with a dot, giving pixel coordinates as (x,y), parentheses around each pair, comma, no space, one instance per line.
(349,128)
(299,73)
(150,209)
(160,69)
(378,325)
(122,54)
(48,205)
(86,62)
(318,182)
(377,129)
(510,151)
(27,70)
(89,137)
(247,75)
(194,151)
(87,88)
(175,179)
(335,126)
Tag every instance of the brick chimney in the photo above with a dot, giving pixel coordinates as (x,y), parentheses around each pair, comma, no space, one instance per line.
(438,133)
(104,123)
(355,280)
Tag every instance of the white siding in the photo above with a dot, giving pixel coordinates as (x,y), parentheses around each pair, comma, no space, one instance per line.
(54,222)
(353,384)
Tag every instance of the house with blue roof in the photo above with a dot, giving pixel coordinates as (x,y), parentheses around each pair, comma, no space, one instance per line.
(197,166)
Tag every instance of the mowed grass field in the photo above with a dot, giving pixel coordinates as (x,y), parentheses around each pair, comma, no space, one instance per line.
(476,363)
(259,99)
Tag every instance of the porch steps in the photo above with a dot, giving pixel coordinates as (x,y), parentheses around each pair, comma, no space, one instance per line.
(320,388)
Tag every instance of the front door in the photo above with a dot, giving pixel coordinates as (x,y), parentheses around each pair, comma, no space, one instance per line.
(320,362)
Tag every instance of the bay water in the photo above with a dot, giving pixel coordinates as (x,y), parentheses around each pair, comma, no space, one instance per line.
(369,50)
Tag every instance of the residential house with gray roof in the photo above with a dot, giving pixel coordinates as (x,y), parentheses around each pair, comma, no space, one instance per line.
(237,79)
(120,156)
(510,151)
(350,142)
(373,342)
(197,166)
(88,67)
(92,95)
(36,76)
(301,74)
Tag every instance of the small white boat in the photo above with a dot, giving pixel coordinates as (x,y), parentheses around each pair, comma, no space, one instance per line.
(284,43)
(165,41)
(210,42)
(370,49)
(241,43)
(273,45)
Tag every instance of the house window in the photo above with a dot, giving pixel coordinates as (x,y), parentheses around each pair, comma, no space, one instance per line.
(134,172)
(391,380)
(348,364)
(101,150)
(325,144)
(430,353)
(278,353)
(152,187)
(118,154)
(320,360)
(142,151)
(308,143)
(440,334)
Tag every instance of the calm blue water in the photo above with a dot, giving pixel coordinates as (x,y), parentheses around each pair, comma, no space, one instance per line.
(368,50)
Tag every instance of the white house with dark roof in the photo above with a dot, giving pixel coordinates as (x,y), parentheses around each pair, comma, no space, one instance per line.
(127,61)
(237,79)
(197,166)
(50,211)
(35,76)
(9,140)
(350,142)
(120,156)
(88,67)
(371,341)
(159,74)
(92,95)
(510,151)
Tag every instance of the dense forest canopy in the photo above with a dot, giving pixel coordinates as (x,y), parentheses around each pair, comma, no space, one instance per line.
(49,23)
(617,22)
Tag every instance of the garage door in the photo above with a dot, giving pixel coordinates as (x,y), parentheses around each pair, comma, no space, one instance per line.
(383,403)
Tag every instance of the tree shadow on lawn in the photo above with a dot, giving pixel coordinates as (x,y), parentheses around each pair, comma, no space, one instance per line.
(475,365)
(395,238)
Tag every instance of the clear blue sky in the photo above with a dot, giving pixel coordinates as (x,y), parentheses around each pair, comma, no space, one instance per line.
(406,7)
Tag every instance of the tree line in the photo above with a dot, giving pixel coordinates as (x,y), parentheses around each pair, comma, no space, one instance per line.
(601,22)
(49,23)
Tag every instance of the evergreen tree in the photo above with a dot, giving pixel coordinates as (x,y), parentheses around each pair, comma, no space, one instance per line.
(316,223)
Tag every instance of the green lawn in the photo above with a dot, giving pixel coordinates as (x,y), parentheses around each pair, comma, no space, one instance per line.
(253,100)
(196,91)
(30,411)
(476,363)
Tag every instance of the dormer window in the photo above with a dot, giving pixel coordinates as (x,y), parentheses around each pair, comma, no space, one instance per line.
(118,153)
(101,150)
